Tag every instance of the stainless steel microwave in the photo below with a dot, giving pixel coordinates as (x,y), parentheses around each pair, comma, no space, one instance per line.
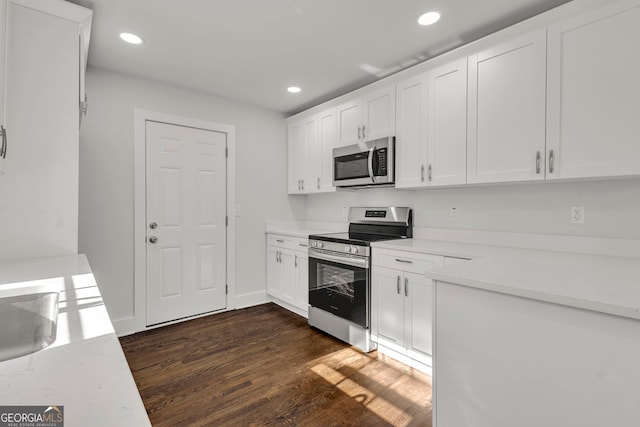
(365,164)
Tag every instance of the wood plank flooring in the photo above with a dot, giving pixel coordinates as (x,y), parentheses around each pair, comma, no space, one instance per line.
(264,366)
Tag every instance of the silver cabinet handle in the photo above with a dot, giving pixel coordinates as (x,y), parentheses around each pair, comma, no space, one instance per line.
(537,162)
(363,133)
(3,148)
(359,136)
(406,287)
(318,183)
(398,285)
(279,256)
(406,261)
(430,172)
(153,239)
(422,173)
(295,262)
(302,181)
(551,158)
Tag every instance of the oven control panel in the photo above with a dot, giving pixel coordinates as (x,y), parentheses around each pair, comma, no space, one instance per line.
(344,248)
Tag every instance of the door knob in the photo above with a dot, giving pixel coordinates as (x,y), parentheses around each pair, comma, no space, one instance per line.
(153,239)
(153,225)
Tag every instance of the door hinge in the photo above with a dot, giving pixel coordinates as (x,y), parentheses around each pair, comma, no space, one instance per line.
(226,289)
(226,152)
(226,220)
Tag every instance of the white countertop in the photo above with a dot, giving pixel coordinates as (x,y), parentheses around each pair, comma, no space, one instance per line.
(302,229)
(84,370)
(600,283)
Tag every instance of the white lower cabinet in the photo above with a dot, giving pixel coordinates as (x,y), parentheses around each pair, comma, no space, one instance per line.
(402,305)
(287,272)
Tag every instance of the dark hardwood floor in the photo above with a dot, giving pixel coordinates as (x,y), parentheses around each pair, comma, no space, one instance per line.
(265,366)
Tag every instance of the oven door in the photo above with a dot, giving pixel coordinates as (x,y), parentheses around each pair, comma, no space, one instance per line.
(339,284)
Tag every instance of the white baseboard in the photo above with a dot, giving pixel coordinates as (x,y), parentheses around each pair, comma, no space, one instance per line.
(251,299)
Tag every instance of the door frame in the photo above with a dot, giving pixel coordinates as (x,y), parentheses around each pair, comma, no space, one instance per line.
(140,221)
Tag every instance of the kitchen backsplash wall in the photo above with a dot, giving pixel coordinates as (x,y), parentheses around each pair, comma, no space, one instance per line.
(612,208)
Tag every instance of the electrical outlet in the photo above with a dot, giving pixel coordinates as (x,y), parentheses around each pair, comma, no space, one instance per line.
(577,214)
(453,214)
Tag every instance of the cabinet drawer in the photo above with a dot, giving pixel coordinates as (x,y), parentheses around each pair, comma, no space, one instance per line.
(406,261)
(288,242)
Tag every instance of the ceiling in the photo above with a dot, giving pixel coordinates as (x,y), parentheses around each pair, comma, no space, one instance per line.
(252,50)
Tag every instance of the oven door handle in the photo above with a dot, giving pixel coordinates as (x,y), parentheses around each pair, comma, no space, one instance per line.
(347,260)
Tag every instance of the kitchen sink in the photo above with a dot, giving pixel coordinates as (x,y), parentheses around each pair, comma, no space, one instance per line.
(28,323)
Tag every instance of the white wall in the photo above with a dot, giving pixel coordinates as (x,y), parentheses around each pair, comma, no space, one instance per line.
(612,208)
(107,186)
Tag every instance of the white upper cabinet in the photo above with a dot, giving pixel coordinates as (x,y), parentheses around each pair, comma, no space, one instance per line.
(593,94)
(296,157)
(327,139)
(370,116)
(506,111)
(43,72)
(379,113)
(303,156)
(431,129)
(311,141)
(411,132)
(447,124)
(3,14)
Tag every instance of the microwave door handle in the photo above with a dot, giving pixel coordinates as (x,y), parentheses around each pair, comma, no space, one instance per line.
(373,179)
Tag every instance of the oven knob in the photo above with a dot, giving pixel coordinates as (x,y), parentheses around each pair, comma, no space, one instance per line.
(347,249)
(354,249)
(320,244)
(314,244)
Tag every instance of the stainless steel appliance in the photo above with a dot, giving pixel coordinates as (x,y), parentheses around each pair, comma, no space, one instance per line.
(340,276)
(365,164)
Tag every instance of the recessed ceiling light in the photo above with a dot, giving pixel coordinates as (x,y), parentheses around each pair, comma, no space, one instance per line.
(294,89)
(429,18)
(131,38)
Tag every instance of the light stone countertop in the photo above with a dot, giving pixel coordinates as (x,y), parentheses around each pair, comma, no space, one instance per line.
(84,370)
(604,284)
(303,229)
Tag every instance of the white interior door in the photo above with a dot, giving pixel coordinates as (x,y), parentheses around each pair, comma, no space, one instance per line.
(186,221)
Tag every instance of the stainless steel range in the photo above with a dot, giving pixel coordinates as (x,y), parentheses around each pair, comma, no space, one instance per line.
(340,276)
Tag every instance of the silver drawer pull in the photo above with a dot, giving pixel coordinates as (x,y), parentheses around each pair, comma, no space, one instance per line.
(304,245)
(279,241)
(406,261)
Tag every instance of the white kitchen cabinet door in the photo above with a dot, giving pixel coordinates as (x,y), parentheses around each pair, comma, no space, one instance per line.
(296,157)
(274,271)
(3,14)
(301,264)
(418,315)
(327,140)
(411,136)
(312,165)
(349,123)
(288,276)
(303,154)
(447,124)
(593,93)
(39,187)
(379,113)
(389,310)
(506,111)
